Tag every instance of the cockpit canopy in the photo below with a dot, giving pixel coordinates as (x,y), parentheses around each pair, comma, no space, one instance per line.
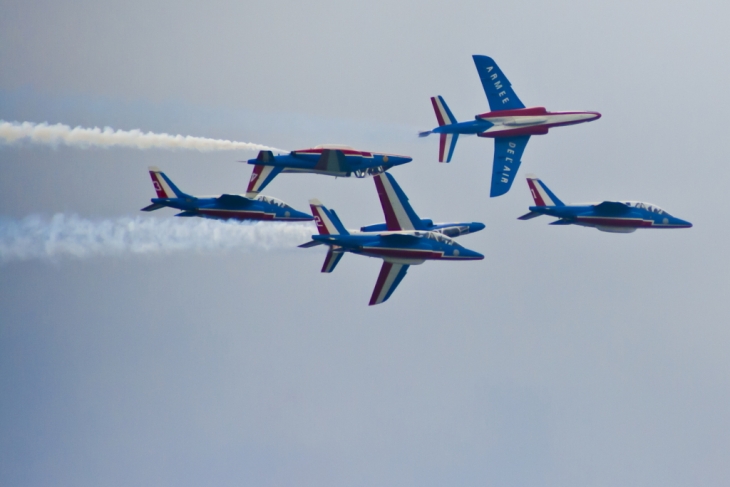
(645,206)
(272,201)
(439,237)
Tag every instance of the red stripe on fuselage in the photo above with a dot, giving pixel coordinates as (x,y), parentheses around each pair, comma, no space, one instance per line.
(519,111)
(346,152)
(402,253)
(243,215)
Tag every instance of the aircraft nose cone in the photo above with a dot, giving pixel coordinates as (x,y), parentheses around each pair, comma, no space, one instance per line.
(596,116)
(683,223)
(300,215)
(467,254)
(476,226)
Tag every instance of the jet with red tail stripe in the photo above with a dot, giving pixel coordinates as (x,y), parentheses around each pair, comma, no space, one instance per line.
(223,207)
(609,216)
(509,123)
(330,160)
(404,242)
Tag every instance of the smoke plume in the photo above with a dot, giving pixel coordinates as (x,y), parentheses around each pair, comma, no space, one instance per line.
(53,135)
(61,236)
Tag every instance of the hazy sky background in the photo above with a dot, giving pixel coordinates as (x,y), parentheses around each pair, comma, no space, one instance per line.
(567,357)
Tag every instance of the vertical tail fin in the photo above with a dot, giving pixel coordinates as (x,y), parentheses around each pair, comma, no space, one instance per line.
(443,114)
(164,187)
(263,173)
(328,223)
(399,214)
(541,193)
(447,142)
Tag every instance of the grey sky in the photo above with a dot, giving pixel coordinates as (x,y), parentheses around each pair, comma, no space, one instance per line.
(567,357)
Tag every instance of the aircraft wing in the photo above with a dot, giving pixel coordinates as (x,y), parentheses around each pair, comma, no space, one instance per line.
(333,160)
(399,214)
(497,87)
(390,276)
(611,208)
(507,158)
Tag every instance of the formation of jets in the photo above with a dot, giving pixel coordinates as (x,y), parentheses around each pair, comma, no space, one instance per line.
(405,239)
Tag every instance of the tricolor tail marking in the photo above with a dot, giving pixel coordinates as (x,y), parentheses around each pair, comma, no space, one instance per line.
(541,193)
(327,221)
(443,114)
(160,182)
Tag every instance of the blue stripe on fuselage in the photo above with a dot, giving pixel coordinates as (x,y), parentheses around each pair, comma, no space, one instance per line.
(471,127)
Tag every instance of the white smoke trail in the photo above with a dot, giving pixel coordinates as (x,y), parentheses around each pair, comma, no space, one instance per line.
(53,135)
(35,237)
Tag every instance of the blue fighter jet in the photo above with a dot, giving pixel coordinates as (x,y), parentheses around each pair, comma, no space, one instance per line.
(331,160)
(223,207)
(406,242)
(509,123)
(609,216)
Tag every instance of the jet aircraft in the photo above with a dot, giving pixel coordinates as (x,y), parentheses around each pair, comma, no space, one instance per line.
(223,207)
(331,160)
(609,216)
(509,123)
(403,243)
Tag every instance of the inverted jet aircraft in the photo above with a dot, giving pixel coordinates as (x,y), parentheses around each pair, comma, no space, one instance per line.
(331,160)
(609,216)
(405,242)
(509,123)
(223,207)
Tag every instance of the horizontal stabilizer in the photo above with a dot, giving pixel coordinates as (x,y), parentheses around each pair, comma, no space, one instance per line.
(152,207)
(311,243)
(425,133)
(530,215)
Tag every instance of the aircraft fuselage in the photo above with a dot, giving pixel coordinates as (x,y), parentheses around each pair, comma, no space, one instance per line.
(522,121)
(402,247)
